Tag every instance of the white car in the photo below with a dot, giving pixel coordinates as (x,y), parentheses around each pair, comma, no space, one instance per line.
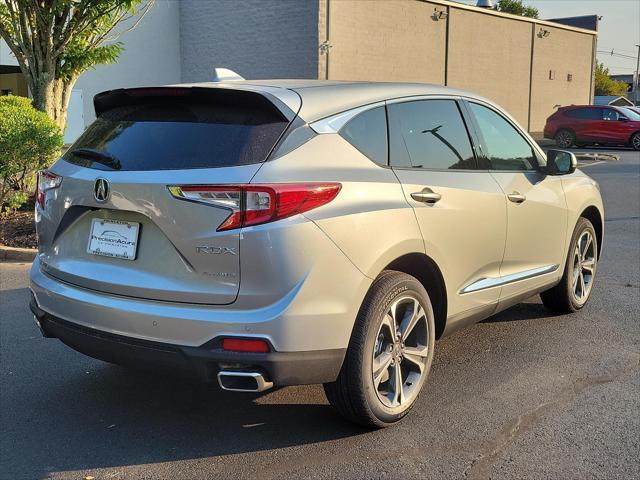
(271,233)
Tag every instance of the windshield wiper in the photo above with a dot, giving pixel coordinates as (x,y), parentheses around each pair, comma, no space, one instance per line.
(98,156)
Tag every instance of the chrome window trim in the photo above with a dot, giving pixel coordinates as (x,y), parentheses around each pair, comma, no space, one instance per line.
(417,98)
(334,123)
(484,283)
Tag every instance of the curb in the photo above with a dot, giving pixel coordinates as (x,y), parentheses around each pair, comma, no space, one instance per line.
(12,254)
(598,157)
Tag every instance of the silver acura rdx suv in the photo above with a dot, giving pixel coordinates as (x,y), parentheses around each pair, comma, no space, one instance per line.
(271,233)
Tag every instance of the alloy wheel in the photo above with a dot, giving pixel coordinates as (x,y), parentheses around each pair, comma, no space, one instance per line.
(401,352)
(635,142)
(564,139)
(584,267)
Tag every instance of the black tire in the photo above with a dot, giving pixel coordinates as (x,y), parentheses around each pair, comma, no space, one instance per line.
(635,141)
(354,394)
(565,138)
(562,297)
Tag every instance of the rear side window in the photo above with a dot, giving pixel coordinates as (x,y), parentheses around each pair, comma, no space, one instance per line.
(429,134)
(178,133)
(585,113)
(368,133)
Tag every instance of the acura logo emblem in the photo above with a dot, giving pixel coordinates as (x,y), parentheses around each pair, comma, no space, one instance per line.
(101,190)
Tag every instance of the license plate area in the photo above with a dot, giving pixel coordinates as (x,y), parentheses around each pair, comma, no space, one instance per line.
(113,238)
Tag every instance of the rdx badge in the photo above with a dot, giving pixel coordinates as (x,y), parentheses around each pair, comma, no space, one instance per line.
(217,250)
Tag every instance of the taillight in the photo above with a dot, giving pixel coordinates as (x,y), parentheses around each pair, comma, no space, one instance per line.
(46,181)
(258,204)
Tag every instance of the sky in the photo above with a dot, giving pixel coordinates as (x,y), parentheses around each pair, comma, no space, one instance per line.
(619,28)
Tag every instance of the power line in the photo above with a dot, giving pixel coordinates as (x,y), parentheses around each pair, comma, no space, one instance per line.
(608,49)
(614,54)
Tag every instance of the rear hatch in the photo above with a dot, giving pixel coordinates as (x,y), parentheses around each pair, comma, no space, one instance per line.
(112,223)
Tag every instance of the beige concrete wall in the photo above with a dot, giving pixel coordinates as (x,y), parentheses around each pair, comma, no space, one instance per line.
(487,52)
(394,40)
(14,82)
(562,52)
(491,55)
(323,54)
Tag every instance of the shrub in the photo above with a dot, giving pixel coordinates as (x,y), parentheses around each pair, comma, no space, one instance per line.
(29,141)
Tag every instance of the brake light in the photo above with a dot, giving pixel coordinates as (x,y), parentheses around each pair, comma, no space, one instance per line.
(242,345)
(46,181)
(258,204)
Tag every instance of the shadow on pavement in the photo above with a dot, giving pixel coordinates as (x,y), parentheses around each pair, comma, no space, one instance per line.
(63,411)
(522,311)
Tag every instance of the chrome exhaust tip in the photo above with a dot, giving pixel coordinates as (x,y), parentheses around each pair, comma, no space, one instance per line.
(238,381)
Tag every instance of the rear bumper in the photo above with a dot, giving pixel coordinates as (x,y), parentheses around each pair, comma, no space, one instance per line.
(317,313)
(201,363)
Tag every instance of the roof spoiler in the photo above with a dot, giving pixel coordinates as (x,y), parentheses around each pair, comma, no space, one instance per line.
(225,75)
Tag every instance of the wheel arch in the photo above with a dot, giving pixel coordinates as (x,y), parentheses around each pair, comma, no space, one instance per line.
(592,214)
(427,272)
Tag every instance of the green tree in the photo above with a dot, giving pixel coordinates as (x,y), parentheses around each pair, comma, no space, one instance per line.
(516,7)
(605,85)
(55,41)
(29,140)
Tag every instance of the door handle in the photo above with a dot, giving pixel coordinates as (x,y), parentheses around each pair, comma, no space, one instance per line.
(426,196)
(516,197)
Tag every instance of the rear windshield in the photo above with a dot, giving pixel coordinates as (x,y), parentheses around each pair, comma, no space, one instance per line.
(177,134)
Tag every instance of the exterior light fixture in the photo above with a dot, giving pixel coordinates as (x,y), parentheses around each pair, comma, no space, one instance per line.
(439,14)
(543,33)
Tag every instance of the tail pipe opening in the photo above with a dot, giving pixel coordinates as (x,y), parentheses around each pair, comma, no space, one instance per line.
(239,381)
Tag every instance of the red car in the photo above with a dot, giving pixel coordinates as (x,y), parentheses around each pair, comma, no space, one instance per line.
(588,124)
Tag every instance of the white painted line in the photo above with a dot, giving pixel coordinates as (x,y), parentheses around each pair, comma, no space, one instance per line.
(582,165)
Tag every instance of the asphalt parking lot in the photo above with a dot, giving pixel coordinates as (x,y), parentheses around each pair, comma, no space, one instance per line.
(523,394)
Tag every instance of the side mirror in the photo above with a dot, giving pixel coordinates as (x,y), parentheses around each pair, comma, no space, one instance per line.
(561,162)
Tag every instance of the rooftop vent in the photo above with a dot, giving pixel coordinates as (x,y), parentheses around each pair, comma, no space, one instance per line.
(485,4)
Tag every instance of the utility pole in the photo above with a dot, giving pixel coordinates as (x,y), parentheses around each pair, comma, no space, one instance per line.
(636,87)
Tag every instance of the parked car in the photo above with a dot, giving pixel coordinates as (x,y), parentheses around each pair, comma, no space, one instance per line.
(582,125)
(273,233)
(635,110)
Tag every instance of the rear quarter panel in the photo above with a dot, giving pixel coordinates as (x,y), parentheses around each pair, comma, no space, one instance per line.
(369,220)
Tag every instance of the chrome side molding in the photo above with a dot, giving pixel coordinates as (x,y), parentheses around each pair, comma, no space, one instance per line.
(485,283)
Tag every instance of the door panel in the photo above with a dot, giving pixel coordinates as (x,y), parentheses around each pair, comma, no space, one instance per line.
(461,211)
(614,130)
(537,230)
(586,121)
(464,232)
(536,206)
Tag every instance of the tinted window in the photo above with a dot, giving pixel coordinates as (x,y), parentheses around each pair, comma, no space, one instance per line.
(585,113)
(429,134)
(631,114)
(175,135)
(610,114)
(368,133)
(503,147)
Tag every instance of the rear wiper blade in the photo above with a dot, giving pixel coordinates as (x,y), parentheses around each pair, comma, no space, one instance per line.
(97,155)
